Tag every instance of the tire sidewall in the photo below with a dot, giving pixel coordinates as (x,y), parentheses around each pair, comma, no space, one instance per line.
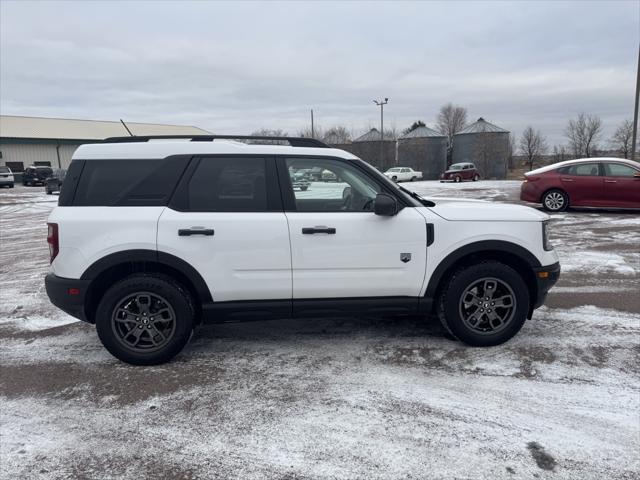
(458,284)
(174,294)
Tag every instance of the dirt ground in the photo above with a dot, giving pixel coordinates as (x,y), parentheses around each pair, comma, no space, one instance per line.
(337,397)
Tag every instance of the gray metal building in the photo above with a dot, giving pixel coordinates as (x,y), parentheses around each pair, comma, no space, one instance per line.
(484,144)
(379,153)
(26,141)
(424,150)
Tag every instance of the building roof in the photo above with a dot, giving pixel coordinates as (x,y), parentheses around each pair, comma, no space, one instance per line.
(482,126)
(72,129)
(421,132)
(371,136)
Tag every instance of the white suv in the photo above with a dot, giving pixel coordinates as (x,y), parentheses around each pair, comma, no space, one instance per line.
(203,229)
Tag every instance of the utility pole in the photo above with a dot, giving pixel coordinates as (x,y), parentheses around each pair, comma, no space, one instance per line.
(635,111)
(381,104)
(313,133)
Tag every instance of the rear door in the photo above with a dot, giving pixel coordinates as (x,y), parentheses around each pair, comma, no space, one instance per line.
(621,188)
(226,220)
(583,183)
(339,247)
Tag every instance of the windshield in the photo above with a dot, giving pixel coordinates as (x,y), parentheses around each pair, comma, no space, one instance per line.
(456,166)
(4,169)
(393,170)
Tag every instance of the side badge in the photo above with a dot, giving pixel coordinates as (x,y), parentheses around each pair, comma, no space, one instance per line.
(405,257)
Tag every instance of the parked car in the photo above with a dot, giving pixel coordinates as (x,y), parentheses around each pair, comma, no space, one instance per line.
(36,175)
(459,172)
(54,182)
(586,182)
(6,176)
(208,231)
(403,174)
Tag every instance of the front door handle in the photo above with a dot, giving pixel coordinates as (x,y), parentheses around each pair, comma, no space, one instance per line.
(312,230)
(187,232)
(564,179)
(610,181)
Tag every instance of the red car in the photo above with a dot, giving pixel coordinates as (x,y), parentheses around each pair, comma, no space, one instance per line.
(587,182)
(459,172)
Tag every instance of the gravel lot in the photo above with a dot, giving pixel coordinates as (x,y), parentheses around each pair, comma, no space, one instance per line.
(332,398)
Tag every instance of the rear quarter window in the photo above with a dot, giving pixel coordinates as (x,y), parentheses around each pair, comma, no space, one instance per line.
(126,182)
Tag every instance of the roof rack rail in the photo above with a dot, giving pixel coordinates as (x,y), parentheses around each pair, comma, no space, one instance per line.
(293,141)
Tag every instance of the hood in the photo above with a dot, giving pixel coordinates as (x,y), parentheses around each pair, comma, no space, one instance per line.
(457,209)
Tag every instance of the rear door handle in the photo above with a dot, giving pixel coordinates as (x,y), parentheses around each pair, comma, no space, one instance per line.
(312,230)
(610,181)
(187,232)
(566,179)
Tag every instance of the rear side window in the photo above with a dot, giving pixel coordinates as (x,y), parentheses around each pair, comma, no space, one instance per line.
(128,182)
(233,184)
(584,170)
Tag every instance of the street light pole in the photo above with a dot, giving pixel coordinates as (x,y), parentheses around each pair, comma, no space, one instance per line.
(381,104)
(635,111)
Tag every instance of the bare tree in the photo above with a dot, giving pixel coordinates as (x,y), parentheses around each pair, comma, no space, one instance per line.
(583,133)
(621,139)
(451,119)
(532,145)
(415,125)
(266,132)
(559,153)
(337,135)
(307,133)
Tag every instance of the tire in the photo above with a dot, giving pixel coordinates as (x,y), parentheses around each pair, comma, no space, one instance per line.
(555,200)
(413,179)
(457,179)
(304,189)
(460,313)
(130,305)
(395,179)
(476,177)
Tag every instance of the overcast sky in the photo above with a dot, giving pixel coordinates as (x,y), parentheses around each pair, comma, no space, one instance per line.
(237,67)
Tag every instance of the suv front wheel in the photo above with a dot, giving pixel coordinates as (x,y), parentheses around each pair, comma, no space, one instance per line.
(484,304)
(145,319)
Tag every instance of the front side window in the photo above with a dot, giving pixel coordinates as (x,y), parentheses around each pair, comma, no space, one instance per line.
(618,170)
(230,184)
(350,189)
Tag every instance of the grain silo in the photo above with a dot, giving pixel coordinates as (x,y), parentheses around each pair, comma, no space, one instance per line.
(379,153)
(484,144)
(424,150)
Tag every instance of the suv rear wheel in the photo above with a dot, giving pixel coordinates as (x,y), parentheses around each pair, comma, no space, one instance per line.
(484,304)
(145,319)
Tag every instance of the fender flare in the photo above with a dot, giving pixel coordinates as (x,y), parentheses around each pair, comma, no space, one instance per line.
(477,247)
(163,258)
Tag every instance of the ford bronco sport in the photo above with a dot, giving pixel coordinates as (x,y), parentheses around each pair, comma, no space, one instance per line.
(206,229)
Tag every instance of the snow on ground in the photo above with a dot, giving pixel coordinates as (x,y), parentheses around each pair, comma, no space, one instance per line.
(337,397)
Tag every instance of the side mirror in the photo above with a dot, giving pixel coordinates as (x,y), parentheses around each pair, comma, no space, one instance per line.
(385,205)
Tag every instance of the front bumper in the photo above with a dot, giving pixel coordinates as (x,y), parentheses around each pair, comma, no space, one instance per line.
(546,277)
(68,294)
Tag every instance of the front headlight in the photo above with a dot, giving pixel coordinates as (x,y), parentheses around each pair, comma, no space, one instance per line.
(546,244)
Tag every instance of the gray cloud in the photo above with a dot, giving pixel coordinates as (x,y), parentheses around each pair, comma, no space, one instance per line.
(236,67)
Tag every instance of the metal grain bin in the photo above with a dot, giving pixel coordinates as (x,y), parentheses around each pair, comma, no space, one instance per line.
(484,144)
(424,150)
(379,153)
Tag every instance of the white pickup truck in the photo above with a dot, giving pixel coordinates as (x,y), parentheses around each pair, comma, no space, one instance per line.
(403,174)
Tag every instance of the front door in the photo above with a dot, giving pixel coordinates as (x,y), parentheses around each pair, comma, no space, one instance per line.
(339,247)
(226,221)
(621,188)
